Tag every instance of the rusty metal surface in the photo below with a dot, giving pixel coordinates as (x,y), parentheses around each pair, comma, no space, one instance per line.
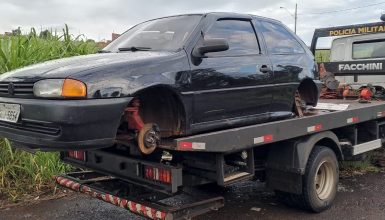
(131,115)
(298,105)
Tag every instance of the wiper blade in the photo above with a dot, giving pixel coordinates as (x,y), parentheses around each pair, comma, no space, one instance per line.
(133,49)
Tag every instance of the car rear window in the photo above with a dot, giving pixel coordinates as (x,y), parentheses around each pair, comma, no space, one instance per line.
(279,40)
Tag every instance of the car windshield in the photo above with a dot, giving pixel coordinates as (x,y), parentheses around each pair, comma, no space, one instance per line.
(164,34)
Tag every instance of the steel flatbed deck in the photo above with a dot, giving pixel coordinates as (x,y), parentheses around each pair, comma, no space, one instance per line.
(250,136)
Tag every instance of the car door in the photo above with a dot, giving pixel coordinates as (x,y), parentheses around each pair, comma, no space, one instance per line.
(290,65)
(229,86)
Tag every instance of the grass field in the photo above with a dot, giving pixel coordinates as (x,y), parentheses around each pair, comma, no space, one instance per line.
(22,173)
(23,50)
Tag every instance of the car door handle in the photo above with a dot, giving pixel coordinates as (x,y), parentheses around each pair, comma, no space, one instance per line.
(265,69)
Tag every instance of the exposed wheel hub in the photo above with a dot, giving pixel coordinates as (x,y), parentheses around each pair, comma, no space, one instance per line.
(148,138)
(324,180)
(152,137)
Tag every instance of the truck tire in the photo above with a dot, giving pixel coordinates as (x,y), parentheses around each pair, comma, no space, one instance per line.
(320,182)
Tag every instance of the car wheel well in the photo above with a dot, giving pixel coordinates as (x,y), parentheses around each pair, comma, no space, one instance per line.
(162,106)
(308,91)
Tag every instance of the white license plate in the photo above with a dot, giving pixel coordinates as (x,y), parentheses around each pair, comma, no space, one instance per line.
(9,112)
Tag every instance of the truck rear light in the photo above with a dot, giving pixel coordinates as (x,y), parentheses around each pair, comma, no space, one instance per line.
(77,154)
(157,174)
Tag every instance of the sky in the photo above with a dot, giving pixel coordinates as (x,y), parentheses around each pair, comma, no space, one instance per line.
(97,19)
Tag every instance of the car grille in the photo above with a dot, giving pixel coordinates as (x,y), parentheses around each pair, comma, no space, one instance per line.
(32,126)
(16,89)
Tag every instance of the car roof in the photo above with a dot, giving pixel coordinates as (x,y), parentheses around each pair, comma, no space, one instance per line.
(234,14)
(221,14)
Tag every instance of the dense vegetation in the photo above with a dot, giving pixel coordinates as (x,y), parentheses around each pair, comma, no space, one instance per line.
(22,173)
(22,50)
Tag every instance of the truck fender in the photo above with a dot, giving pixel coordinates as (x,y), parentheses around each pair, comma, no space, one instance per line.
(286,161)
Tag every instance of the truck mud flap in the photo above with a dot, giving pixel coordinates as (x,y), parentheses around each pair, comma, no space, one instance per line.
(136,199)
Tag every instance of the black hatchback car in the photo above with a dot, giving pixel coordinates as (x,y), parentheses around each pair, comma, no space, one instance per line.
(172,76)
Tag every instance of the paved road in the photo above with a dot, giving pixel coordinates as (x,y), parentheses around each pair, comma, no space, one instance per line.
(359,197)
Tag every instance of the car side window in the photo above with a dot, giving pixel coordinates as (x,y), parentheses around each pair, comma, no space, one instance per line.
(239,34)
(279,40)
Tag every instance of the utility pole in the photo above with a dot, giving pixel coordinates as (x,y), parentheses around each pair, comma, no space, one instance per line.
(295,19)
(295,16)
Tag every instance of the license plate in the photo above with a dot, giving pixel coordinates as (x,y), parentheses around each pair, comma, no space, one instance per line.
(9,112)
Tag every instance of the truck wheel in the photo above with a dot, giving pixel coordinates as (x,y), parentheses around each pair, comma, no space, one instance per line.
(320,181)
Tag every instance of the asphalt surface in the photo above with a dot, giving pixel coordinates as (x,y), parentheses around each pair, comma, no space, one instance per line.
(359,197)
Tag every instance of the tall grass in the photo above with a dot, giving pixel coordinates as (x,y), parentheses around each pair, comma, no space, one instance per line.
(22,173)
(23,50)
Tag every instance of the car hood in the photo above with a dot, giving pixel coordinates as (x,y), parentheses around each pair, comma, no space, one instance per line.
(62,68)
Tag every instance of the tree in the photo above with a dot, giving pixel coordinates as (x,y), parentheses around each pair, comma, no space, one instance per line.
(16,32)
(45,34)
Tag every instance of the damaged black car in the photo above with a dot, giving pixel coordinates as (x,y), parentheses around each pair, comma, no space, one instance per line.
(167,77)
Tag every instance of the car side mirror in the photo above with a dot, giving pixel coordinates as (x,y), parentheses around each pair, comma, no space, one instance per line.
(209,46)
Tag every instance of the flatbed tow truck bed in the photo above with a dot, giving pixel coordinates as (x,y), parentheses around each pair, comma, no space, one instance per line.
(276,152)
(255,135)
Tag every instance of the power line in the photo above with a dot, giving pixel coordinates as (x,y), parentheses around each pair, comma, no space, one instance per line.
(340,10)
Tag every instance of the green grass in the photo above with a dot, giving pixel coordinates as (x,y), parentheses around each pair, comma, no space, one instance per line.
(363,166)
(322,56)
(22,173)
(364,163)
(23,50)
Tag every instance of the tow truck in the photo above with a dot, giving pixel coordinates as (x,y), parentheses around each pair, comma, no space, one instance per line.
(297,157)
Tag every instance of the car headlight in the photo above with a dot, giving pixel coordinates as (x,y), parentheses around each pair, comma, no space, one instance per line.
(56,88)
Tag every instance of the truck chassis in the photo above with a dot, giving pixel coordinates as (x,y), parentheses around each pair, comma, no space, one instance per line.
(276,152)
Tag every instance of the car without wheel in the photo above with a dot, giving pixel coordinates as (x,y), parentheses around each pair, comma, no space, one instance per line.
(167,77)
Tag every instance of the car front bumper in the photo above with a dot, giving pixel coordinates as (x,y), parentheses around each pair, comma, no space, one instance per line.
(64,124)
